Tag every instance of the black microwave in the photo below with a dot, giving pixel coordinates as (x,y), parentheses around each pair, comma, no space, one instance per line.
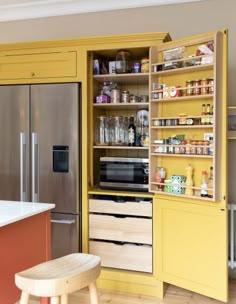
(124,173)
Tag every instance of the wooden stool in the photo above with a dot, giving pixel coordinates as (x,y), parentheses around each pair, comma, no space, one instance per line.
(57,278)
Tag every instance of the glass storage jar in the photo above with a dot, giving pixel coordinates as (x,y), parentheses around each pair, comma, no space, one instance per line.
(117,131)
(102,131)
(122,62)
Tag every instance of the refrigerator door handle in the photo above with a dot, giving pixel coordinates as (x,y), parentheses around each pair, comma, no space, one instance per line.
(23,167)
(35,167)
(67,222)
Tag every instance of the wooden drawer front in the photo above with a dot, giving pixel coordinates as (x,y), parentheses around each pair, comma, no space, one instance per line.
(127,256)
(127,208)
(47,65)
(128,229)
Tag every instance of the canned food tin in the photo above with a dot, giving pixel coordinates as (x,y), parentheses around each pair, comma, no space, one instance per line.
(115,96)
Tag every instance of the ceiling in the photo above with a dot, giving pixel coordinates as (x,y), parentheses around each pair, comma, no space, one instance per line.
(26,9)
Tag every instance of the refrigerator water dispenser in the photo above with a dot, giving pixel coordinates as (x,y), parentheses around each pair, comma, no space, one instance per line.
(60,159)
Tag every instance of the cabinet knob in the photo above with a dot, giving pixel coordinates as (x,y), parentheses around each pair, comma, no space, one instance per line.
(32,74)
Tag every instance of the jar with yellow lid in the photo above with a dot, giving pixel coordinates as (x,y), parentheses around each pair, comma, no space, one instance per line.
(145,65)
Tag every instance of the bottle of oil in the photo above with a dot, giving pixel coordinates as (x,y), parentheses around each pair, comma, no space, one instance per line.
(203,114)
(210,183)
(131,132)
(208,114)
(204,192)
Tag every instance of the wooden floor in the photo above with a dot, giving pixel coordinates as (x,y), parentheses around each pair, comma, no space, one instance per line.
(174,295)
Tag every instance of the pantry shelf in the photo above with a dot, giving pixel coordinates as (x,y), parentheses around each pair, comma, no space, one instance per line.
(184,126)
(122,106)
(184,70)
(181,155)
(183,98)
(129,78)
(120,147)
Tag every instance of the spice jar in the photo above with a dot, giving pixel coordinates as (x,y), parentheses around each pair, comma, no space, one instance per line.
(189,87)
(196,87)
(200,148)
(204,86)
(193,149)
(205,150)
(125,97)
(211,85)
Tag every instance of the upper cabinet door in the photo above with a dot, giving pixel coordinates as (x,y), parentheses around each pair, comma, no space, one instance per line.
(188,114)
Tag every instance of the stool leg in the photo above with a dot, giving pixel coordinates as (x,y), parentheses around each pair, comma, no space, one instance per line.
(64,299)
(93,293)
(24,298)
(55,300)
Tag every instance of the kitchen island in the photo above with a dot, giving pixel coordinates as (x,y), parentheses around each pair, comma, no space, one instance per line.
(25,240)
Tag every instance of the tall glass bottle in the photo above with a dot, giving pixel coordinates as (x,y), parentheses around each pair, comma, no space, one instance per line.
(204,192)
(189,180)
(131,132)
(102,131)
(210,183)
(203,114)
(208,113)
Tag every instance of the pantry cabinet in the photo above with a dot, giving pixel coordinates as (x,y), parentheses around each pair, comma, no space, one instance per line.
(170,234)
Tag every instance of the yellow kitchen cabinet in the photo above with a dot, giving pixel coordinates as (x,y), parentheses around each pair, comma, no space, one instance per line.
(190,226)
(190,246)
(45,65)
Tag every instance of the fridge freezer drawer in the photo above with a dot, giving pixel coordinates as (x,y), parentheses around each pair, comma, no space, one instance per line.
(127,229)
(123,256)
(65,234)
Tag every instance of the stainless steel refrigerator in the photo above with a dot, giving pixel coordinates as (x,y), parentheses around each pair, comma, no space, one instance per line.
(40,154)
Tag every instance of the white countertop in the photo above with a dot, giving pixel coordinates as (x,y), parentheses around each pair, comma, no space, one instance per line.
(12,211)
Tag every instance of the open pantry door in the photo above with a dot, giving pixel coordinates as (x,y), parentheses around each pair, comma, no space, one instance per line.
(190,215)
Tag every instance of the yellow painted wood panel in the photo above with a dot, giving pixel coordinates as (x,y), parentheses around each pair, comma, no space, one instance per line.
(38,66)
(191,248)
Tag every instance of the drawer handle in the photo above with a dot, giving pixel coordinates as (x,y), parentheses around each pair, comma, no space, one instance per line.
(67,222)
(32,74)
